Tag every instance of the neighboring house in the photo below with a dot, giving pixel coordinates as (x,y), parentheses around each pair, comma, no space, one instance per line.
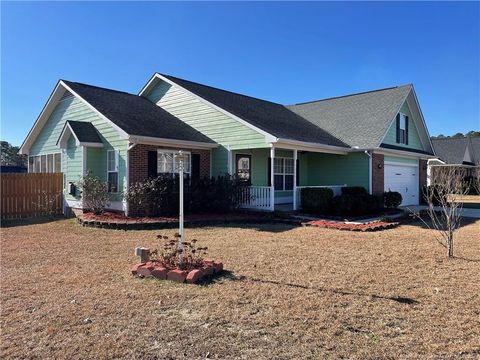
(462,152)
(377,139)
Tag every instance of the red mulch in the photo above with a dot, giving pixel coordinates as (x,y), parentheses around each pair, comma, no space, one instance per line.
(372,226)
(111,217)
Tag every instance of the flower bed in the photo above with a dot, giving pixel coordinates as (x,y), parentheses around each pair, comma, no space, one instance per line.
(371,226)
(154,269)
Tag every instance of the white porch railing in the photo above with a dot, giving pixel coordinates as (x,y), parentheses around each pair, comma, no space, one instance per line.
(255,197)
(337,190)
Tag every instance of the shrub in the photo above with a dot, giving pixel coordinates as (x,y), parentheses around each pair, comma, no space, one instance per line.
(392,199)
(359,204)
(94,193)
(160,196)
(317,200)
(354,190)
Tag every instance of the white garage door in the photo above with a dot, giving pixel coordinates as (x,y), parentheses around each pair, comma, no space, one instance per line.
(404,179)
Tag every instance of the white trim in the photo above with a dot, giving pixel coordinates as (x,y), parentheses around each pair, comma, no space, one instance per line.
(272,180)
(308,146)
(46,154)
(229,161)
(148,140)
(295,158)
(268,137)
(117,155)
(398,163)
(90,144)
(402,153)
(283,173)
(423,120)
(127,175)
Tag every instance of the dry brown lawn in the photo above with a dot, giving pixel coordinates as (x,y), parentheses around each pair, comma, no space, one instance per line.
(67,292)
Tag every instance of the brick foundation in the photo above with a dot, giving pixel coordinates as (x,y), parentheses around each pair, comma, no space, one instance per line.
(138,165)
(378,176)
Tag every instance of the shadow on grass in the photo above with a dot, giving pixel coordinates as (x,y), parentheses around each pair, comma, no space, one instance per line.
(30,221)
(230,276)
(414,221)
(264,226)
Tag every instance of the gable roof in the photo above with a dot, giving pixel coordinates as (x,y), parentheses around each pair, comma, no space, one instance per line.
(453,150)
(359,119)
(84,131)
(136,115)
(273,118)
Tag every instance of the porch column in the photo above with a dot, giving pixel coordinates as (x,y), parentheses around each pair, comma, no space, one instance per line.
(230,161)
(272,179)
(295,179)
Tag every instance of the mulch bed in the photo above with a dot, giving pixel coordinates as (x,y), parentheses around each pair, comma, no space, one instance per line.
(111,220)
(372,226)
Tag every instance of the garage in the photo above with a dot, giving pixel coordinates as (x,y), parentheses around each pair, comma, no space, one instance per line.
(404,179)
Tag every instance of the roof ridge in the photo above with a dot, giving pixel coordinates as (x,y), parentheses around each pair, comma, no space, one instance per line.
(98,87)
(216,88)
(348,95)
(452,138)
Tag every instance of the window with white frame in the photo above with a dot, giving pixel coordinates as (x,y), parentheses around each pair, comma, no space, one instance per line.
(283,173)
(402,129)
(49,163)
(112,170)
(168,164)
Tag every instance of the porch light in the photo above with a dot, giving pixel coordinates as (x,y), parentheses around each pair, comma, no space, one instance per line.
(180,159)
(380,166)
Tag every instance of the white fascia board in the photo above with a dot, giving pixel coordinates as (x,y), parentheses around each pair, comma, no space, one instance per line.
(395,116)
(147,140)
(423,119)
(308,146)
(90,144)
(41,119)
(66,132)
(268,137)
(121,132)
(403,153)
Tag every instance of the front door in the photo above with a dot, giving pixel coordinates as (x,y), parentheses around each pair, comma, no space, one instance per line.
(244,167)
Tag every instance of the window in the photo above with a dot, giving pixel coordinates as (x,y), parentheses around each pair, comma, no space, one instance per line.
(112,170)
(168,164)
(402,129)
(283,173)
(45,163)
(244,167)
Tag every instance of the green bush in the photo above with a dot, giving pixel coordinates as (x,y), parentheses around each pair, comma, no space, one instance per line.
(316,200)
(354,190)
(392,199)
(160,196)
(358,204)
(95,195)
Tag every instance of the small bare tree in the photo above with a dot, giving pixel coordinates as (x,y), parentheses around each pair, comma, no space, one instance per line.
(445,203)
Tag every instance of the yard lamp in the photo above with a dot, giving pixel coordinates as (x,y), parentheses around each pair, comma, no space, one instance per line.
(180,159)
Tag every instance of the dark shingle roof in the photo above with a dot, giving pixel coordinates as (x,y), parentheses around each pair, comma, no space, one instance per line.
(85,131)
(135,114)
(452,150)
(358,119)
(273,118)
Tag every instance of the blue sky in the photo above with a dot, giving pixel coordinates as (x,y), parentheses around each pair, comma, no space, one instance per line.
(284,52)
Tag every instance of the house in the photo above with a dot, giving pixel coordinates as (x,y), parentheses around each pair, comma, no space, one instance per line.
(376,139)
(461,152)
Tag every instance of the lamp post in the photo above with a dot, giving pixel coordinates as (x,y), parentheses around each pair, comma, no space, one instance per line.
(180,158)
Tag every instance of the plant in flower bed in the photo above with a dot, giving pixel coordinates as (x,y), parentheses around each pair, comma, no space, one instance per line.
(175,254)
(177,261)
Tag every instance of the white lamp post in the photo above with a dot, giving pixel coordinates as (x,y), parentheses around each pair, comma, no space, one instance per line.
(180,158)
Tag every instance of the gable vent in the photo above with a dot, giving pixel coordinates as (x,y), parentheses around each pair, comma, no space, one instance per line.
(66,95)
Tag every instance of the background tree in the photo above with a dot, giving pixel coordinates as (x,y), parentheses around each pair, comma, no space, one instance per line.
(445,203)
(9,155)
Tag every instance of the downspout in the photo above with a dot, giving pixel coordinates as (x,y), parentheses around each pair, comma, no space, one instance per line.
(368,153)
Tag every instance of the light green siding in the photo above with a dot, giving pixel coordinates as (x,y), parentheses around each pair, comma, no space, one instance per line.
(402,160)
(73,165)
(330,169)
(75,109)
(219,127)
(413,137)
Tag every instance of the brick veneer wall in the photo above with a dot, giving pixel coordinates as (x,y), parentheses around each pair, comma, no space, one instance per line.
(422,177)
(138,165)
(378,174)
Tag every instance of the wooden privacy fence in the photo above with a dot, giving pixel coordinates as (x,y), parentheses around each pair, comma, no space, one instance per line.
(30,195)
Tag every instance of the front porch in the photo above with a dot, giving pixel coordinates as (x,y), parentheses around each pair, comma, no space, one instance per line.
(277,184)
